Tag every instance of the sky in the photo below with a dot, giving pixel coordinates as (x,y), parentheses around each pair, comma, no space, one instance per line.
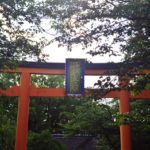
(60,54)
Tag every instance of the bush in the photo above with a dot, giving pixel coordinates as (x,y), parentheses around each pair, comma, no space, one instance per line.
(44,141)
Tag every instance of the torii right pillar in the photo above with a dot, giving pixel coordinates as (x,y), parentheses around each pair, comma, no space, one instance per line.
(125,129)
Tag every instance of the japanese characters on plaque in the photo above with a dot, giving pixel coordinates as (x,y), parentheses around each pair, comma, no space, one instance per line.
(75,77)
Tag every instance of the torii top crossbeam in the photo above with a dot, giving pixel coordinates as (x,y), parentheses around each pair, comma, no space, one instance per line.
(59,68)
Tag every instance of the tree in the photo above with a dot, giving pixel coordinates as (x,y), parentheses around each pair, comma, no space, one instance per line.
(124,21)
(90,23)
(102,121)
(41,124)
(21,28)
(99,25)
(96,25)
(18,26)
(96,120)
(44,113)
(44,141)
(8,113)
(140,119)
(8,117)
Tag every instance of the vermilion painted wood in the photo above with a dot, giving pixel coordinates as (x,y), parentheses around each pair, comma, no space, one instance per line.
(145,94)
(52,71)
(23,112)
(125,136)
(14,91)
(60,92)
(125,130)
(47,92)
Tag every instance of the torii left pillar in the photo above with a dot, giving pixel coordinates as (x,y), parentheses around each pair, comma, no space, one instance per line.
(23,112)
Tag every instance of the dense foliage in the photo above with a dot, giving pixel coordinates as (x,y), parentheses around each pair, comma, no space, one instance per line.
(44,140)
(96,120)
(19,23)
(118,21)
(98,25)
(101,26)
(42,120)
(103,121)
(72,116)
(8,116)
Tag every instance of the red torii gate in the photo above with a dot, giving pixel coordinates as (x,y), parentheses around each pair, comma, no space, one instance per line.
(25,91)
